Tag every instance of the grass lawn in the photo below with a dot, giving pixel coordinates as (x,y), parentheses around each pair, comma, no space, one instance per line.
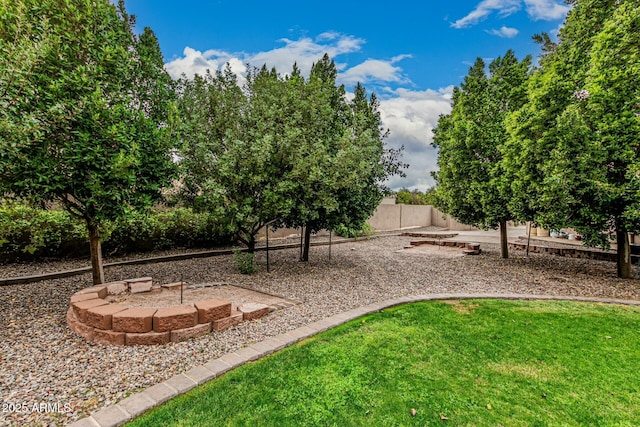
(462,363)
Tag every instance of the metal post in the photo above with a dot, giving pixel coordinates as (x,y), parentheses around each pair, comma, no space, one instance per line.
(330,232)
(181,288)
(528,236)
(301,236)
(267,248)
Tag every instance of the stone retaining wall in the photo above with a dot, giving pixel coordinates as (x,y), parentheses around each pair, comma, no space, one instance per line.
(577,252)
(91,316)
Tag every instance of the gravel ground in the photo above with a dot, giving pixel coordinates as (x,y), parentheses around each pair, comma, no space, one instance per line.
(52,265)
(43,362)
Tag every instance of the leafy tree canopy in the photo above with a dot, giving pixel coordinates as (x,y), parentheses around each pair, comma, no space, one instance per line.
(283,150)
(415,197)
(470,182)
(85,110)
(573,148)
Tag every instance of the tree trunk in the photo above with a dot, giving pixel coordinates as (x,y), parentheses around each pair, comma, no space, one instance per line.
(96,253)
(307,242)
(624,253)
(251,244)
(504,244)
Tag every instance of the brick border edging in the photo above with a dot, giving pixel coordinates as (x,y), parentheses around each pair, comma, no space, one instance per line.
(137,404)
(428,235)
(468,248)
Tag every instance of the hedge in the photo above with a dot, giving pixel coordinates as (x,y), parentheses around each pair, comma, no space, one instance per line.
(27,233)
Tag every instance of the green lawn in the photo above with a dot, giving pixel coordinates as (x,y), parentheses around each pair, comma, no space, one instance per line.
(475,363)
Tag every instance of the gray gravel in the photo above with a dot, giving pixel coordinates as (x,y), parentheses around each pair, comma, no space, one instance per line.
(43,362)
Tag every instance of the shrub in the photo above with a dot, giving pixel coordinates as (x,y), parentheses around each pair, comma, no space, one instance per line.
(157,230)
(244,261)
(365,231)
(29,233)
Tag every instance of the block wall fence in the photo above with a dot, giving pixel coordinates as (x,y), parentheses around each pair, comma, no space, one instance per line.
(389,216)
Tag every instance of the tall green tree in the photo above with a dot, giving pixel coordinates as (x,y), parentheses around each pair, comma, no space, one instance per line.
(282,150)
(532,128)
(371,162)
(342,162)
(23,46)
(87,122)
(319,177)
(319,124)
(574,145)
(470,181)
(236,149)
(592,173)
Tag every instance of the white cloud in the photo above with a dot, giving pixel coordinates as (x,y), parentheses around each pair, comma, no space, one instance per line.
(411,117)
(375,70)
(485,8)
(304,51)
(328,35)
(547,10)
(192,62)
(504,32)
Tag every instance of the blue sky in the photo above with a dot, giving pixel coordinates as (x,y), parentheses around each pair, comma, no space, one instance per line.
(410,53)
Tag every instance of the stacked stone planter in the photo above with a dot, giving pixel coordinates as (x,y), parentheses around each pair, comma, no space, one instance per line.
(96,319)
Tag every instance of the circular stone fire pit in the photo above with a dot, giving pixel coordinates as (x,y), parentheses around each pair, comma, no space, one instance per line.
(135,312)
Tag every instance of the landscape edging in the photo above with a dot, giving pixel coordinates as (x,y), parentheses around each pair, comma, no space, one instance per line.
(166,258)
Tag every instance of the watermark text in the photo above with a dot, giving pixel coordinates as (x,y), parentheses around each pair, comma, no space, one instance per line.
(36,407)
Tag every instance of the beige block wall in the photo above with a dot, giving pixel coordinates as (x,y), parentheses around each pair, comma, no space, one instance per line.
(395,217)
(391,217)
(439,219)
(415,216)
(386,217)
(458,226)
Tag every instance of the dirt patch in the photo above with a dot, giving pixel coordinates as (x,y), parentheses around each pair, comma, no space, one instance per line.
(166,298)
(461,307)
(537,371)
(434,250)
